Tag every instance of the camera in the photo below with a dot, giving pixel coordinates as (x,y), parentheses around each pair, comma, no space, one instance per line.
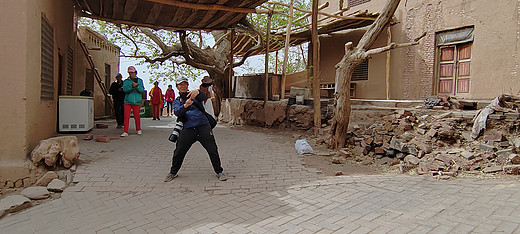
(176,131)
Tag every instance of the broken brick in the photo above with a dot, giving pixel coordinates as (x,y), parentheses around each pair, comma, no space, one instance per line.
(104,139)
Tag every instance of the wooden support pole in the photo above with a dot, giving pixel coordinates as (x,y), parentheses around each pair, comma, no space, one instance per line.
(231,61)
(266,81)
(315,68)
(387,71)
(286,50)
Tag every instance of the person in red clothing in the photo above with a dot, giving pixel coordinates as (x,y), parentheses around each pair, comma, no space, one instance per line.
(170,97)
(157,100)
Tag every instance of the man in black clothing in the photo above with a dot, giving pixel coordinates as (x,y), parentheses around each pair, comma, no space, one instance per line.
(118,97)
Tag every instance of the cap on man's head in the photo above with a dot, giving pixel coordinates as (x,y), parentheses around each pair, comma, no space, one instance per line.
(156,82)
(132,69)
(180,80)
(207,80)
(119,75)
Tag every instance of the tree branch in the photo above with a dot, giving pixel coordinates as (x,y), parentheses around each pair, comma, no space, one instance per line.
(129,38)
(188,55)
(394,46)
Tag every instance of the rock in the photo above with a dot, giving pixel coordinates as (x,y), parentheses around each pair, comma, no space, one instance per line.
(443,159)
(73,168)
(100,125)
(56,186)
(515,141)
(442,116)
(493,137)
(412,160)
(492,169)
(431,133)
(403,113)
(514,158)
(325,154)
(467,155)
(36,192)
(486,147)
(397,144)
(338,173)
(512,169)
(379,150)
(505,152)
(13,203)
(422,170)
(49,149)
(88,137)
(104,139)
(47,178)
(344,153)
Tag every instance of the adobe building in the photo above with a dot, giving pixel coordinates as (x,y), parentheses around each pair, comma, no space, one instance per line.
(470,50)
(40,61)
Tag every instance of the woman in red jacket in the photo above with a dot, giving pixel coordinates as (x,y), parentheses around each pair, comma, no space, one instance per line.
(170,97)
(157,100)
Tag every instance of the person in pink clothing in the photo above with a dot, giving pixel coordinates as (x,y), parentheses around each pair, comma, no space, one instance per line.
(157,100)
(170,97)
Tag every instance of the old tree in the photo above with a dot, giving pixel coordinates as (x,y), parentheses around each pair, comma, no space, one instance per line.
(352,58)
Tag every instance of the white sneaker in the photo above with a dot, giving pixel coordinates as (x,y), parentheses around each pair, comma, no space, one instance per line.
(139,132)
(124,134)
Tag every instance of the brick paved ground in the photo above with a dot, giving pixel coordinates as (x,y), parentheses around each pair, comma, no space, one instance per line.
(119,189)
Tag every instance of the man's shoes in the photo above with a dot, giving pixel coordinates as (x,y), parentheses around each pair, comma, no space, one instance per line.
(158,118)
(170,177)
(139,132)
(154,118)
(119,126)
(221,176)
(124,134)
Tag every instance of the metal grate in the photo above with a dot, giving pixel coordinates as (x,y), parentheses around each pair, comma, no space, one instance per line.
(70,70)
(352,3)
(47,61)
(361,72)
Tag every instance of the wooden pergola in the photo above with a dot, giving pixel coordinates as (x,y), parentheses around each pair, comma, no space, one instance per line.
(170,14)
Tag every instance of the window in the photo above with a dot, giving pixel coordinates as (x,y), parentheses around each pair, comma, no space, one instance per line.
(454,60)
(352,3)
(47,61)
(361,72)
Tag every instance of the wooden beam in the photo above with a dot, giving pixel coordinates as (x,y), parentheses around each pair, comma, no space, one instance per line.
(208,7)
(154,14)
(266,83)
(387,71)
(286,51)
(315,69)
(130,7)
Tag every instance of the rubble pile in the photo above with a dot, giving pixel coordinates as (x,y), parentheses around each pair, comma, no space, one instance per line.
(440,145)
(445,102)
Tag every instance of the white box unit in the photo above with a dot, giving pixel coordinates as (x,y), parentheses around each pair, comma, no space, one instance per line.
(76,113)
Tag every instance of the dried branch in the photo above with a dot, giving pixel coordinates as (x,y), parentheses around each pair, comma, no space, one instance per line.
(129,38)
(394,46)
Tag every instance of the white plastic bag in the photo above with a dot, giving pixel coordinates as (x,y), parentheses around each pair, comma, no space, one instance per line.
(302,147)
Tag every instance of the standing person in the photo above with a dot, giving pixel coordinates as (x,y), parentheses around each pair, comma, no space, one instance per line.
(205,87)
(133,88)
(118,98)
(169,96)
(157,100)
(196,128)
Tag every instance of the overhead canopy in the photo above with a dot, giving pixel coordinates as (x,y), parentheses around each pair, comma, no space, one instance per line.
(242,42)
(170,14)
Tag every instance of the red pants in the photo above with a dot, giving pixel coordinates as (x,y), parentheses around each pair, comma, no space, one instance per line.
(135,109)
(156,108)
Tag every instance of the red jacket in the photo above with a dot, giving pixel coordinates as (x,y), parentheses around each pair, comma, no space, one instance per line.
(156,94)
(170,95)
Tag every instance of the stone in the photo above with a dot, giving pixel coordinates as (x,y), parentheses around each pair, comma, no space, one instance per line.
(421,131)
(47,178)
(344,153)
(104,139)
(379,150)
(514,158)
(486,147)
(13,203)
(358,151)
(492,169)
(336,161)
(88,137)
(56,185)
(443,159)
(512,169)
(422,170)
(325,154)
(431,133)
(49,149)
(73,168)
(467,155)
(442,116)
(515,141)
(100,125)
(403,113)
(412,160)
(397,144)
(338,173)
(493,137)
(466,135)
(36,192)
(506,152)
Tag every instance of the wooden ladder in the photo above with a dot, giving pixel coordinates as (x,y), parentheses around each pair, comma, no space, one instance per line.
(96,73)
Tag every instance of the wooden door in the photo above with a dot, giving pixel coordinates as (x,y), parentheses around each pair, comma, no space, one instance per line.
(454,69)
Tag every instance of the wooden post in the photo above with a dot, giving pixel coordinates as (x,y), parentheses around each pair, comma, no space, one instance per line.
(315,68)
(286,50)
(387,75)
(231,61)
(266,82)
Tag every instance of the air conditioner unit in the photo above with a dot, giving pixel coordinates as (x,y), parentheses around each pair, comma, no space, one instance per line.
(76,113)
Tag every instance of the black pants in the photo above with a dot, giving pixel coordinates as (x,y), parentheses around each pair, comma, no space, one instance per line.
(119,113)
(188,136)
